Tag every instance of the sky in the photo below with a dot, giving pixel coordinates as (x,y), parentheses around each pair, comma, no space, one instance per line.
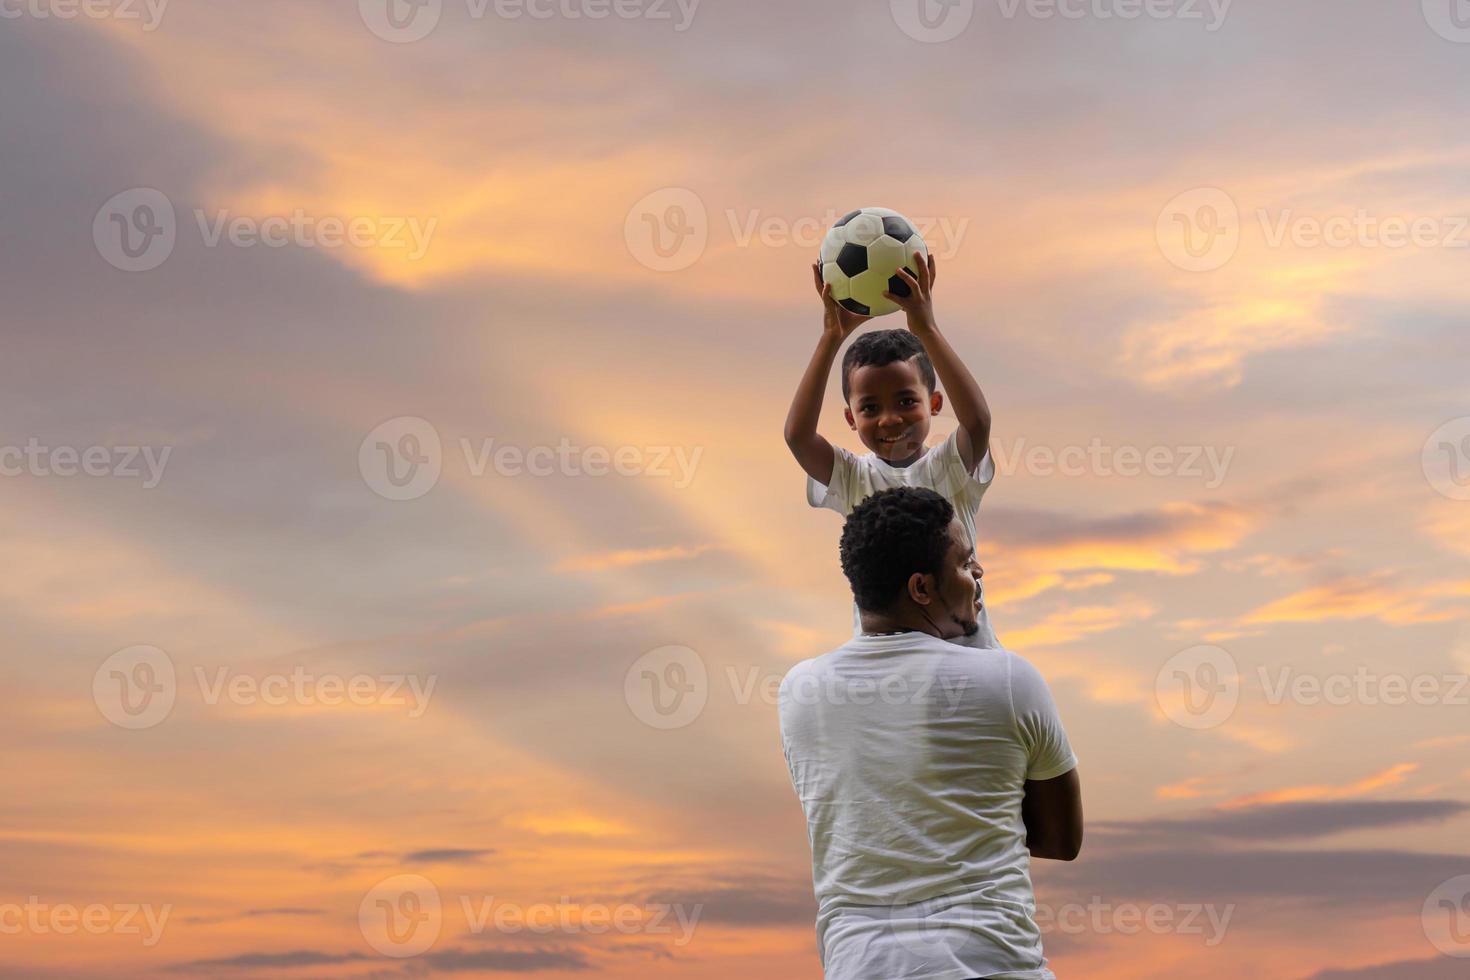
(402,551)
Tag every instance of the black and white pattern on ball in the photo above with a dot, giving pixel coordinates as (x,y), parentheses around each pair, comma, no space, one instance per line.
(861,256)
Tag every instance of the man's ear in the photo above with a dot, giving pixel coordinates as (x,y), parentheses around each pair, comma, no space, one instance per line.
(847,414)
(921,588)
(936,403)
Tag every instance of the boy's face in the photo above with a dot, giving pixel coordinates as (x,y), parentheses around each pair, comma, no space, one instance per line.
(890,408)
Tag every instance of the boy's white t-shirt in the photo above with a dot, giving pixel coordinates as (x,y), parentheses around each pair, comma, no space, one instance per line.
(910,756)
(941,469)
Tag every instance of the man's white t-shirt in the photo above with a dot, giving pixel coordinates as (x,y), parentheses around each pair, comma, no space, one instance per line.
(941,469)
(909,755)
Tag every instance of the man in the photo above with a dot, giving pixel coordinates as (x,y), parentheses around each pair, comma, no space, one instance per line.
(930,772)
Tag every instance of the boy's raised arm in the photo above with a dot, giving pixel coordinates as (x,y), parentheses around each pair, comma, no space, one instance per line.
(813,452)
(970,407)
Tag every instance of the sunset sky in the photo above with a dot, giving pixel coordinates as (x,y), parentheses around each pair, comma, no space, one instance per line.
(354,602)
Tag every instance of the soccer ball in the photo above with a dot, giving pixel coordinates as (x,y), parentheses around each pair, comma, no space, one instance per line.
(861,255)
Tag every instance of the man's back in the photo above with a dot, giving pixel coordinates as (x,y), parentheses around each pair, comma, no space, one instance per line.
(910,756)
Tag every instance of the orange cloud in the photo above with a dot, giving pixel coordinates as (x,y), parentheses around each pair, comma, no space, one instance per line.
(1164,540)
(1391,776)
(1069,625)
(1361,597)
(1190,789)
(606,560)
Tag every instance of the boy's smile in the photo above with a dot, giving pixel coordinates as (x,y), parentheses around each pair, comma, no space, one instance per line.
(890,407)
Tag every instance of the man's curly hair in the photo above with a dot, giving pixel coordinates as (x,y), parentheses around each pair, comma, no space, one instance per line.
(880,348)
(889,537)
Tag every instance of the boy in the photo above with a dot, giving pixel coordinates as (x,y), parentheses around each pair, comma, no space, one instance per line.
(889,383)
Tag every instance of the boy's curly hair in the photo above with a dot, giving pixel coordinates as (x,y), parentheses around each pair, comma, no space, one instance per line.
(882,347)
(889,537)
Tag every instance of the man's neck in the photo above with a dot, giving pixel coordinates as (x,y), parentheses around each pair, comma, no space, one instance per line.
(877,623)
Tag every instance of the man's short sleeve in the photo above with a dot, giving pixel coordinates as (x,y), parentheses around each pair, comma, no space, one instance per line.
(837,494)
(1048,753)
(948,476)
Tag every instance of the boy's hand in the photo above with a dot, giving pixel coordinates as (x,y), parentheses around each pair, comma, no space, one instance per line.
(838,321)
(919,304)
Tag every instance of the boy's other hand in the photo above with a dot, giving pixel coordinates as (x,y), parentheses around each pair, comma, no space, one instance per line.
(838,321)
(918,305)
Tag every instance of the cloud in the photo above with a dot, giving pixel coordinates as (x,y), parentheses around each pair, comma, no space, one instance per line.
(750,901)
(1391,776)
(604,561)
(447,855)
(1440,968)
(569,824)
(272,961)
(1074,623)
(1166,539)
(1189,789)
(1368,881)
(442,961)
(505,961)
(1361,597)
(254,914)
(1287,821)
(1448,526)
